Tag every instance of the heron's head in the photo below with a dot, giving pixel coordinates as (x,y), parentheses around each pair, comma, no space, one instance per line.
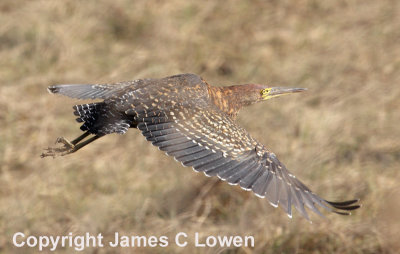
(251,93)
(232,98)
(271,92)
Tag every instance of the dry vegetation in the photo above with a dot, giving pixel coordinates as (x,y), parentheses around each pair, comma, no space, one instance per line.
(341,137)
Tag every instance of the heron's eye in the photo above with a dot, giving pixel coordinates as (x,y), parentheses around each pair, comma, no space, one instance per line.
(265,91)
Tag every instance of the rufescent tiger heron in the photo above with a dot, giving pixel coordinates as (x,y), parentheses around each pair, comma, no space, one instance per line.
(195,123)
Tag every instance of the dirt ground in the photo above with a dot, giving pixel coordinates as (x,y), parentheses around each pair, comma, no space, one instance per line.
(341,137)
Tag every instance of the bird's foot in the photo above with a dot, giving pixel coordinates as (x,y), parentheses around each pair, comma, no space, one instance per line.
(67,148)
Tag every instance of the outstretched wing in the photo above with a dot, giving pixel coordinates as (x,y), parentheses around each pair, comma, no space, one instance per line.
(92,91)
(203,137)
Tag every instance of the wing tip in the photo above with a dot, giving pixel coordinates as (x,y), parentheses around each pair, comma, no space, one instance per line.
(57,88)
(52,89)
(344,208)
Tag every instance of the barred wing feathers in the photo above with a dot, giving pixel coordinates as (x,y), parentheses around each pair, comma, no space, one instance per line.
(209,141)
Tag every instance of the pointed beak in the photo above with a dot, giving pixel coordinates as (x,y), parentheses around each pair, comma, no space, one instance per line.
(272,92)
(279,91)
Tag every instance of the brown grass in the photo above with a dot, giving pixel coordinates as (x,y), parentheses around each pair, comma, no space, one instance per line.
(341,137)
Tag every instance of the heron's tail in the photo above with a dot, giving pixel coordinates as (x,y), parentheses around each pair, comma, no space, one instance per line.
(99,119)
(88,114)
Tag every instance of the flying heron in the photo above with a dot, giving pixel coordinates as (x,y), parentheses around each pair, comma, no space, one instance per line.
(195,123)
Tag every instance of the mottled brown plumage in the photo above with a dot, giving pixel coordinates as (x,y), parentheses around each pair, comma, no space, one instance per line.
(195,123)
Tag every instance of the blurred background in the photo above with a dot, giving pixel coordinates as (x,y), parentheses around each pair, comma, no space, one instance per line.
(341,137)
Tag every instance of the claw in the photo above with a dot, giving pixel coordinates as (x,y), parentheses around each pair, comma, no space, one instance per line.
(59,151)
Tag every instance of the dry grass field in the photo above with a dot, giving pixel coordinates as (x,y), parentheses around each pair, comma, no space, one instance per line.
(341,137)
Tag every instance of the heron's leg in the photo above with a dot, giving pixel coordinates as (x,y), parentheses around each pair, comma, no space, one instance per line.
(83,143)
(69,146)
(78,139)
(72,143)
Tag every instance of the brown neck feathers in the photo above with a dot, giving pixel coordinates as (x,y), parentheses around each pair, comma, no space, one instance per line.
(231,99)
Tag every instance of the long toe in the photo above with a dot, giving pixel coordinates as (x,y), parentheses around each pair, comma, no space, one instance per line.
(58,151)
